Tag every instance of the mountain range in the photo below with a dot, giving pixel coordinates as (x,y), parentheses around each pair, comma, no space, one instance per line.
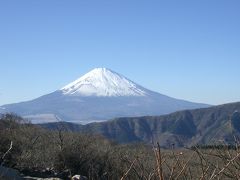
(99,95)
(213,125)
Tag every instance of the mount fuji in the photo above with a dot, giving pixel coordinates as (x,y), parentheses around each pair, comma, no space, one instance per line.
(102,82)
(99,95)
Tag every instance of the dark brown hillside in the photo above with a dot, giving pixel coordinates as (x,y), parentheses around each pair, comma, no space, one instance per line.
(183,128)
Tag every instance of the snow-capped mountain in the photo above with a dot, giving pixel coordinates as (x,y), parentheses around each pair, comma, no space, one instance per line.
(103,82)
(99,95)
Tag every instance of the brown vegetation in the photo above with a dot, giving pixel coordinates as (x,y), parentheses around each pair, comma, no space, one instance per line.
(36,151)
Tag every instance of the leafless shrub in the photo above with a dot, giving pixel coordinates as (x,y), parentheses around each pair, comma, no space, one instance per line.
(28,147)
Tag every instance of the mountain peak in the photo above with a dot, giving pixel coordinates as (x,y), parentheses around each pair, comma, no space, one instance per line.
(103,82)
(100,70)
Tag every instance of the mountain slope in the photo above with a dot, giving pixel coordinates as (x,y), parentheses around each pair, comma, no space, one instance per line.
(99,95)
(103,82)
(183,128)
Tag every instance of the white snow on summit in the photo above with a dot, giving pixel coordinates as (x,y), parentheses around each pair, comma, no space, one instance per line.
(103,82)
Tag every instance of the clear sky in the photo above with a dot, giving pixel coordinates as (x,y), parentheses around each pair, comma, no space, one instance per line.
(182,48)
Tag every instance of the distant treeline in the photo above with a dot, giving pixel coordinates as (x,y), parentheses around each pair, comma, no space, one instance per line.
(219,147)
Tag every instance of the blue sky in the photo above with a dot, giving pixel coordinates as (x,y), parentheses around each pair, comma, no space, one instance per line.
(185,49)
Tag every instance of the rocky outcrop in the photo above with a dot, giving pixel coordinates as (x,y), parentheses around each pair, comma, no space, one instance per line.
(79,177)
